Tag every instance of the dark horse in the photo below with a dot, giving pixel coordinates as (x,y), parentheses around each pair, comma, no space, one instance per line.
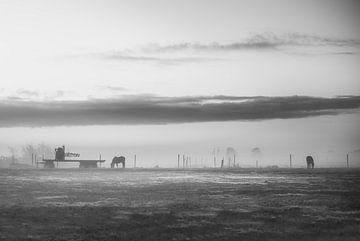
(310,162)
(116,160)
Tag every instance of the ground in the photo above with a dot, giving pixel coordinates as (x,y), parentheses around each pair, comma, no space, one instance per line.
(174,204)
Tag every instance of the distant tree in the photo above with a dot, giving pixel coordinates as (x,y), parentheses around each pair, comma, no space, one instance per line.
(5,161)
(256,151)
(230,154)
(13,153)
(44,150)
(27,151)
(215,152)
(41,150)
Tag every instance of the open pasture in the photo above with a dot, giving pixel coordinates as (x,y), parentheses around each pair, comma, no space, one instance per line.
(176,204)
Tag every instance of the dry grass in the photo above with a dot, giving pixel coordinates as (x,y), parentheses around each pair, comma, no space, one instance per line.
(101,204)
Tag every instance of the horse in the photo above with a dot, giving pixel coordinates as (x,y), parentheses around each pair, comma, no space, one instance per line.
(310,162)
(116,160)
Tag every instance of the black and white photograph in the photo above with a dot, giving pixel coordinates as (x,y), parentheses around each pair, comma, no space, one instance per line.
(164,120)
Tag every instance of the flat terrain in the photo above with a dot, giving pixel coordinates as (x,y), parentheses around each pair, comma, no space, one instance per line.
(170,204)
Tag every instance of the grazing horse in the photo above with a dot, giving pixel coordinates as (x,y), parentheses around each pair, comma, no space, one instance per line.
(116,160)
(310,162)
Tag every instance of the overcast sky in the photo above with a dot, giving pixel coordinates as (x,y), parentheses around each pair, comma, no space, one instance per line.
(163,77)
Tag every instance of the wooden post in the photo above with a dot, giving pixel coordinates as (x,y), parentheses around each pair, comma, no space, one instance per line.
(234,160)
(135,161)
(32,159)
(290,161)
(178,160)
(347,160)
(36,161)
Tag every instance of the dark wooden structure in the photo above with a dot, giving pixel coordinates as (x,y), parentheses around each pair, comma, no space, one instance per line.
(60,155)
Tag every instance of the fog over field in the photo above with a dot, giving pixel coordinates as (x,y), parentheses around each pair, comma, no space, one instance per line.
(180,77)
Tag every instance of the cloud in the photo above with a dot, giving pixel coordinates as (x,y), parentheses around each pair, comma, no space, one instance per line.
(262,41)
(31,95)
(27,93)
(188,52)
(113,88)
(136,56)
(147,109)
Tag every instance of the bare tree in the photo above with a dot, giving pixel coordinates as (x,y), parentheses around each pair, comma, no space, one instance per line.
(231,154)
(14,153)
(44,150)
(41,150)
(28,151)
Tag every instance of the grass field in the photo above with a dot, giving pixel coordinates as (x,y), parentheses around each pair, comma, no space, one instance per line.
(173,204)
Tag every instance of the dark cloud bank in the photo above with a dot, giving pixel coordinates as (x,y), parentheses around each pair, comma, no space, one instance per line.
(133,110)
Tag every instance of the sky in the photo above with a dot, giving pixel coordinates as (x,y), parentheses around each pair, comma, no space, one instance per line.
(160,78)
